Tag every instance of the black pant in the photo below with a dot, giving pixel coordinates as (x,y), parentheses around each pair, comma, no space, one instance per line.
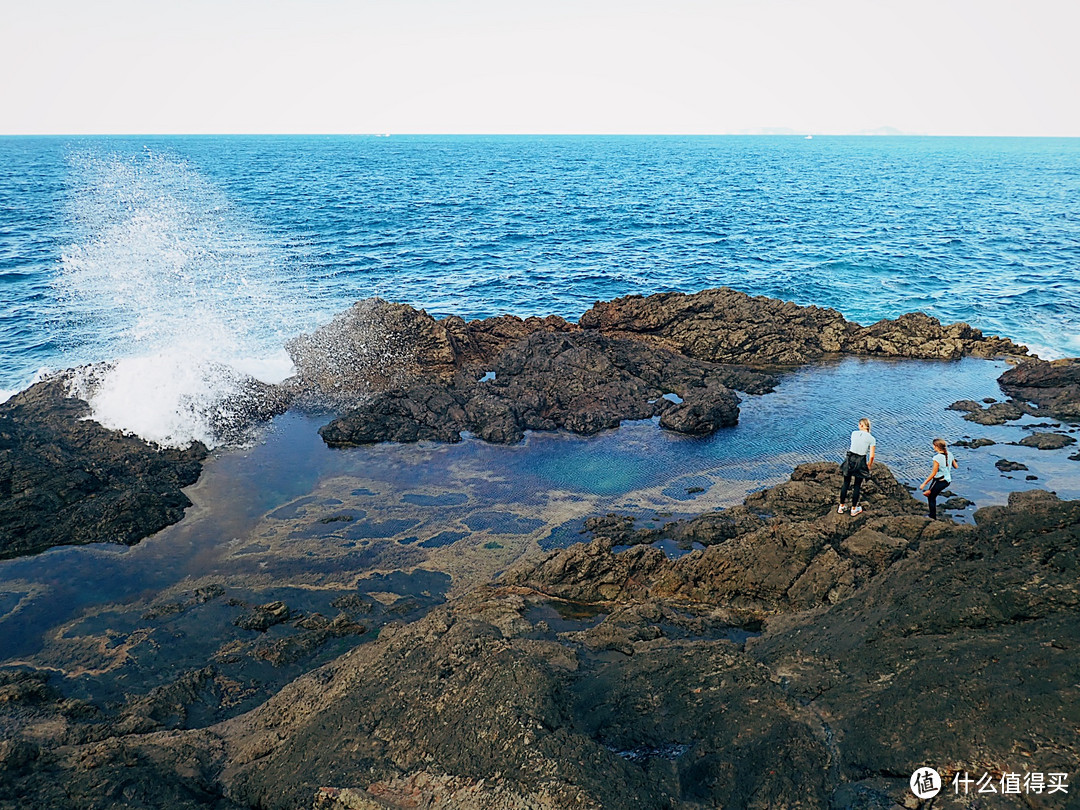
(854,490)
(936,488)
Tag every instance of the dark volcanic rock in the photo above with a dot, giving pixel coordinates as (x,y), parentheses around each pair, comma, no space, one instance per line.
(264,617)
(424,412)
(801,554)
(975,443)
(702,412)
(703,722)
(478,697)
(66,480)
(1047,441)
(1053,386)
(1005,465)
(502,376)
(996,414)
(376,346)
(959,503)
(726,326)
(582,382)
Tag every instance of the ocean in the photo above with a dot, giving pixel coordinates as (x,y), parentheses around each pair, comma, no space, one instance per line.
(189,260)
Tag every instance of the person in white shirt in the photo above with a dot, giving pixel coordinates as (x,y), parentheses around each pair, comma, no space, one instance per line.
(940,474)
(856,465)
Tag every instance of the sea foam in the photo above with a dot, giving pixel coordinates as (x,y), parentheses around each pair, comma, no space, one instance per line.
(183,298)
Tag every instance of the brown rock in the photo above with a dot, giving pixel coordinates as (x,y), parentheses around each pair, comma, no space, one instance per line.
(1053,386)
(1047,441)
(726,326)
(581,382)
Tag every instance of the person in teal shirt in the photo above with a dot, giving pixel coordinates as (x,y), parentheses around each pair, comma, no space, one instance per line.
(940,474)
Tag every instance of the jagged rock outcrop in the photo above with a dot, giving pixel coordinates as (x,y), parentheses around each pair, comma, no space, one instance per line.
(655,707)
(1037,388)
(66,480)
(1053,386)
(377,346)
(727,326)
(1047,441)
(784,549)
(406,376)
(578,381)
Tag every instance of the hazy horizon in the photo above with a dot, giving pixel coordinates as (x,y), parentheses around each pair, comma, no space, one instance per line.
(515,135)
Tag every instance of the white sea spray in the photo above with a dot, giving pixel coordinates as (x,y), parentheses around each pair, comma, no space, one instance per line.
(187,297)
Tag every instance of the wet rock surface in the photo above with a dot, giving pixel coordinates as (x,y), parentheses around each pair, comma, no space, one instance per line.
(66,480)
(1037,388)
(577,381)
(378,346)
(974,444)
(997,413)
(1009,466)
(793,661)
(1053,386)
(412,377)
(727,326)
(1047,441)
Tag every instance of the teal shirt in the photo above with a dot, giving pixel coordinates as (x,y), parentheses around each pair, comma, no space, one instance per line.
(944,466)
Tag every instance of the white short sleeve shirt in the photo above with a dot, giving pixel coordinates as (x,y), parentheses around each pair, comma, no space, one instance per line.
(862,441)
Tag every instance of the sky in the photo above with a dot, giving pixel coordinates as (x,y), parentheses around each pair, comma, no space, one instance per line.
(937,67)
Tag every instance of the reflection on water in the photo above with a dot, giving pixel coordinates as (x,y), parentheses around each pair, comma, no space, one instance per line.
(289,513)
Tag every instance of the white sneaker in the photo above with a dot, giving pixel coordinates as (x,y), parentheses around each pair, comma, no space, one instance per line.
(855,510)
(841,509)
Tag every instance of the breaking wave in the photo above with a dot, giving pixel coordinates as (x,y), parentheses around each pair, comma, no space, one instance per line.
(184,298)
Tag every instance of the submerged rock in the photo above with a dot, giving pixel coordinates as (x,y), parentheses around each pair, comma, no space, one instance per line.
(66,480)
(1047,441)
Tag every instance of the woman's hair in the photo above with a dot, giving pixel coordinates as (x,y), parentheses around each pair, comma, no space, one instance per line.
(940,444)
(864,423)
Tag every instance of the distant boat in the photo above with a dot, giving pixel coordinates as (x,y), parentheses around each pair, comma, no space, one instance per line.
(808,138)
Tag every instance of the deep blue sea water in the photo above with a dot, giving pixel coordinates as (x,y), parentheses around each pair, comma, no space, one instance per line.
(220,248)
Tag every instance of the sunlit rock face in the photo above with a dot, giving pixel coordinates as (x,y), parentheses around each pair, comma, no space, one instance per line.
(727,326)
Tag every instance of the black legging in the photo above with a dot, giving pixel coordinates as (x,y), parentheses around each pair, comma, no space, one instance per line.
(936,488)
(854,490)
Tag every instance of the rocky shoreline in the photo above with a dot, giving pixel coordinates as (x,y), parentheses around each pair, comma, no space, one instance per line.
(397,374)
(787,656)
(800,659)
(623,360)
(66,480)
